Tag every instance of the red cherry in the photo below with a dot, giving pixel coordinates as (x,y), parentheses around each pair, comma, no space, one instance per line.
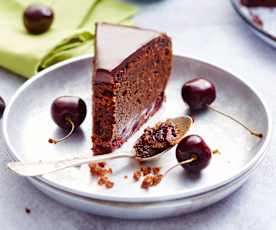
(68,112)
(38,18)
(193,146)
(198,93)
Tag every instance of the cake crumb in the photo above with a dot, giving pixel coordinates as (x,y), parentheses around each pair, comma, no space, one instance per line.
(157,179)
(99,170)
(102,180)
(109,184)
(156,170)
(28,210)
(257,20)
(150,181)
(102,164)
(125,177)
(145,170)
(147,182)
(136,175)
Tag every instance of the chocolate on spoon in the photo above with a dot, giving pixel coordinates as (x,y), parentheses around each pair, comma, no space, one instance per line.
(200,93)
(68,112)
(161,138)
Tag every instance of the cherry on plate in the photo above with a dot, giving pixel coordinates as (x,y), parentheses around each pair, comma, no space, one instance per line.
(200,93)
(68,112)
(193,147)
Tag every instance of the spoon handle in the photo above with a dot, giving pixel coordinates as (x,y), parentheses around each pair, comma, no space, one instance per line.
(40,168)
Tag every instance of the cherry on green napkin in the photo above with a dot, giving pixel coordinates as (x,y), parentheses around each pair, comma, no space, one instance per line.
(71,34)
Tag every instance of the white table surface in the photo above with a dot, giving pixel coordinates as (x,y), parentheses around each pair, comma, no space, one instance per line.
(202,29)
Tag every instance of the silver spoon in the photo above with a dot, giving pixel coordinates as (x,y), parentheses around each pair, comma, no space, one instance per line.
(182,124)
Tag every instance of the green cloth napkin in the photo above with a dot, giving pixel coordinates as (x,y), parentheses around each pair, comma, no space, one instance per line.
(71,34)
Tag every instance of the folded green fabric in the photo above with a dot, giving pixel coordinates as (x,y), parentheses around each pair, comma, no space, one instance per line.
(71,34)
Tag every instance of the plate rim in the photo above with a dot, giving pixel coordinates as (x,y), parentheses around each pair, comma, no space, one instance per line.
(150,198)
(261,32)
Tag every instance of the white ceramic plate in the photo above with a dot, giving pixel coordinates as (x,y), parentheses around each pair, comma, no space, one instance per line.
(27,126)
(267,16)
(148,210)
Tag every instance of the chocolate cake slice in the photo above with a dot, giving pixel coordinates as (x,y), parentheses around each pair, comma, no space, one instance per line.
(131,70)
(256,3)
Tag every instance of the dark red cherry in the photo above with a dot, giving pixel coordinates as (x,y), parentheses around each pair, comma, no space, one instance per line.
(193,146)
(68,112)
(68,108)
(38,18)
(198,93)
(2,106)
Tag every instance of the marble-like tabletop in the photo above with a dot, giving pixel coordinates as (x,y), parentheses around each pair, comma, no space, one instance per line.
(207,30)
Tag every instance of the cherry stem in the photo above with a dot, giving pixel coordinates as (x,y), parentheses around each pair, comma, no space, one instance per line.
(193,158)
(252,132)
(55,141)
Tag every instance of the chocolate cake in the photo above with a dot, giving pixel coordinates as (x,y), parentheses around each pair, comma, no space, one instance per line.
(131,70)
(255,3)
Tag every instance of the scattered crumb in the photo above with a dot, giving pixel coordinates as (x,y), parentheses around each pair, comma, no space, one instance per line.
(257,20)
(216,151)
(145,170)
(106,182)
(157,179)
(150,181)
(28,211)
(156,170)
(109,171)
(99,170)
(102,164)
(102,180)
(136,175)
(151,176)
(109,184)
(147,182)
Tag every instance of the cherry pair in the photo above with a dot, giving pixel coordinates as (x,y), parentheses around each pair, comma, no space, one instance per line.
(192,152)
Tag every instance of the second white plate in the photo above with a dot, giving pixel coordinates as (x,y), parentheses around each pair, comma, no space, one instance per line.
(261,20)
